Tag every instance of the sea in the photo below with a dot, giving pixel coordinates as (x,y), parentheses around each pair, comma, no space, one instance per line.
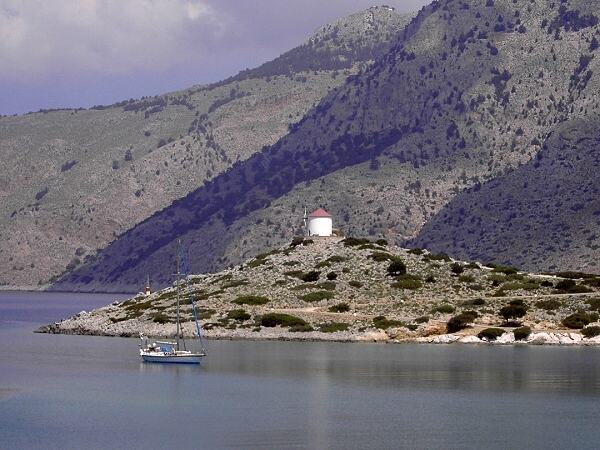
(84,392)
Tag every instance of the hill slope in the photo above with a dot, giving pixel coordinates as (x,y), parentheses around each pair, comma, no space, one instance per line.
(468,93)
(72,180)
(544,215)
(348,290)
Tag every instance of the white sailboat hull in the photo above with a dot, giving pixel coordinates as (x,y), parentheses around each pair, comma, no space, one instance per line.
(176,358)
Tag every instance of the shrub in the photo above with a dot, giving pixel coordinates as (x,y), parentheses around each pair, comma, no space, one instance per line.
(285,320)
(506,270)
(444,309)
(594,303)
(408,283)
(577,320)
(461,321)
(238,314)
(549,305)
(570,287)
(306,328)
(513,311)
(457,268)
(519,285)
(381,242)
(354,242)
(430,279)
(355,284)
(333,327)
(437,257)
(251,300)
(522,333)
(590,332)
(326,285)
(491,334)
(396,267)
(339,308)
(422,319)
(416,251)
(317,296)
(161,318)
(381,256)
(546,283)
(466,279)
(311,276)
(297,241)
(332,276)
(383,323)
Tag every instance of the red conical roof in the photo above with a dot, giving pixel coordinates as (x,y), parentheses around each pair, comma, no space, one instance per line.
(319,213)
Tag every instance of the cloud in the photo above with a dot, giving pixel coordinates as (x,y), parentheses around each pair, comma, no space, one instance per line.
(40,37)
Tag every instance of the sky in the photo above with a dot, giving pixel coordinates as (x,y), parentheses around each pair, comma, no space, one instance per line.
(79,53)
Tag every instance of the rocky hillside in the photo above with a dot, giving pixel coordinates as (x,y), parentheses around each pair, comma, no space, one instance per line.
(354,289)
(544,215)
(469,92)
(73,180)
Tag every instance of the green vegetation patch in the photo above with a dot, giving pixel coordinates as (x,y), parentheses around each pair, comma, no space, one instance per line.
(490,334)
(333,327)
(311,276)
(522,285)
(577,320)
(444,308)
(437,257)
(570,287)
(284,320)
(339,308)
(461,321)
(239,315)
(466,278)
(355,284)
(550,304)
(521,333)
(251,300)
(506,270)
(408,282)
(205,313)
(354,242)
(381,256)
(514,310)
(594,303)
(396,267)
(317,296)
(474,302)
(416,251)
(590,332)
(162,318)
(383,323)
(234,283)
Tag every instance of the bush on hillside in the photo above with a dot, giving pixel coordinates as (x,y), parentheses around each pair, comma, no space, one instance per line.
(577,320)
(317,296)
(339,308)
(590,332)
(311,276)
(333,327)
(238,314)
(521,333)
(384,323)
(463,320)
(254,300)
(491,334)
(396,267)
(457,268)
(549,305)
(285,320)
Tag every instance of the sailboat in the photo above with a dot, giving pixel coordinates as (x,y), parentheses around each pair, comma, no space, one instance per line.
(175,351)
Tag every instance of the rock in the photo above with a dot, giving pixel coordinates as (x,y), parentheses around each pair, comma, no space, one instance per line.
(470,340)
(445,339)
(506,338)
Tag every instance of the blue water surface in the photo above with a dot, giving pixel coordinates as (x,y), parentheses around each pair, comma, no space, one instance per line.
(82,392)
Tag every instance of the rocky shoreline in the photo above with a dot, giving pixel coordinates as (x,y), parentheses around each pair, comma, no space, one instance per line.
(356,290)
(78,325)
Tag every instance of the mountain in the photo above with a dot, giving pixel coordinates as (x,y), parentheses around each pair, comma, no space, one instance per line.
(469,92)
(350,289)
(543,215)
(71,181)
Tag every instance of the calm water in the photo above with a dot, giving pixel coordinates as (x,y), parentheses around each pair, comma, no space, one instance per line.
(81,392)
